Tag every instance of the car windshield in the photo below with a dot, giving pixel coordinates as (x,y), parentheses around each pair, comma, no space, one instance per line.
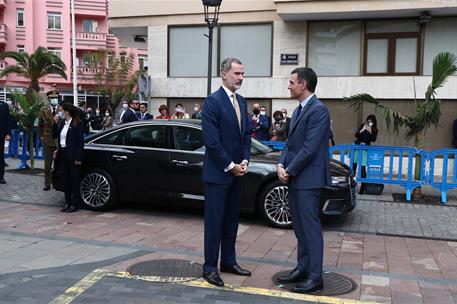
(259,148)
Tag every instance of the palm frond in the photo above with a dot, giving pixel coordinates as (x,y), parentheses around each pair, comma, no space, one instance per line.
(357,100)
(444,65)
(17,69)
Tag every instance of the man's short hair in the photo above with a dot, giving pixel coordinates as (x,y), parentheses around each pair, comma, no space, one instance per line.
(144,104)
(132,101)
(308,75)
(226,64)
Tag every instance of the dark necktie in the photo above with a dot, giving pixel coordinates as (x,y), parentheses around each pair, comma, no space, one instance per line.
(53,110)
(299,109)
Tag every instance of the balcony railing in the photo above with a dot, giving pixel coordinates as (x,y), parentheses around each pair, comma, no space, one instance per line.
(91,36)
(3,35)
(90,72)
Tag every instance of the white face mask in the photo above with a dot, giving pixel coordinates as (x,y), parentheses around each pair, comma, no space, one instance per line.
(179,110)
(196,109)
(97,112)
(125,106)
(262,112)
(370,124)
(106,113)
(8,102)
(54,102)
(61,116)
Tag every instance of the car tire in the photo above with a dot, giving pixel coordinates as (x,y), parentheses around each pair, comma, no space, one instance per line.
(273,205)
(98,190)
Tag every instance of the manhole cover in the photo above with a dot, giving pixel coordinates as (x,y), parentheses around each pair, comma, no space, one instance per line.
(167,270)
(334,284)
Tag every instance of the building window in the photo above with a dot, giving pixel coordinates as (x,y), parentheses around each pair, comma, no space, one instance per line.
(143,62)
(87,60)
(54,21)
(188,52)
(440,36)
(20,17)
(392,48)
(188,49)
(334,48)
(56,51)
(252,44)
(90,26)
(20,49)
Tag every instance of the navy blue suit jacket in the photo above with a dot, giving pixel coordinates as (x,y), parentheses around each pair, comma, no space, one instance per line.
(305,155)
(147,116)
(224,141)
(129,116)
(262,128)
(5,120)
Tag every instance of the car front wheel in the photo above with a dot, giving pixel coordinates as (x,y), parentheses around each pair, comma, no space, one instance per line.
(274,206)
(98,191)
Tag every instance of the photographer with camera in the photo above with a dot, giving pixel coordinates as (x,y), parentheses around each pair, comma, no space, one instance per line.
(365,135)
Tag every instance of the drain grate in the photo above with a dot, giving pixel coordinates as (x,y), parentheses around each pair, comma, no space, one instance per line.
(334,284)
(167,270)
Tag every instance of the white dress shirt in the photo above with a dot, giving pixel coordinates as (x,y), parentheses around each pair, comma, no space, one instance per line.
(230,96)
(63,133)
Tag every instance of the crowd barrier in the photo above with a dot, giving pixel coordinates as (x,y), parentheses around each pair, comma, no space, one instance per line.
(18,147)
(397,165)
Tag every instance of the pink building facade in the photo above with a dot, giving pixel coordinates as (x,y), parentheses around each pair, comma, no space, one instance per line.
(26,25)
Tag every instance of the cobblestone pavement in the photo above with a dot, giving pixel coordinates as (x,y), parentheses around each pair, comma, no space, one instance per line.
(377,217)
(36,239)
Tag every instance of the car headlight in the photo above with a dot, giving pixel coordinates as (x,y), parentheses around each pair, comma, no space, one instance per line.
(338,179)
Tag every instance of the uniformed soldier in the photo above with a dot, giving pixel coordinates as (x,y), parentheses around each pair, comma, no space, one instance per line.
(46,124)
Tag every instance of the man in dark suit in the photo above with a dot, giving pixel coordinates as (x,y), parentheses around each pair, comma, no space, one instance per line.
(129,114)
(5,134)
(259,123)
(304,166)
(144,115)
(227,140)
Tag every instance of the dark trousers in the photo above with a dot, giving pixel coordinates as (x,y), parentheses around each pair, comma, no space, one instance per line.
(72,178)
(48,159)
(222,215)
(304,209)
(2,157)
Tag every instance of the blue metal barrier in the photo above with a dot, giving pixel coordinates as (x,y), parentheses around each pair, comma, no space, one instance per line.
(380,173)
(275,145)
(448,179)
(18,147)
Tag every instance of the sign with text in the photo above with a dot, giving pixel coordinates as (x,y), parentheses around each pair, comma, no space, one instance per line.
(289,59)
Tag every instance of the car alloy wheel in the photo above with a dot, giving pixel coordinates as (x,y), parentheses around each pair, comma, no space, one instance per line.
(276,206)
(95,190)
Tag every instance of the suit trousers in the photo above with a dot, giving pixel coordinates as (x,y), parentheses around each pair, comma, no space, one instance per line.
(48,158)
(304,209)
(222,215)
(72,179)
(2,157)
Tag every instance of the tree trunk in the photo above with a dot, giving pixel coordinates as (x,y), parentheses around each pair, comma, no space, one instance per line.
(31,150)
(417,193)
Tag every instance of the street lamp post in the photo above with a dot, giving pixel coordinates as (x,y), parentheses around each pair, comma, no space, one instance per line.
(211,8)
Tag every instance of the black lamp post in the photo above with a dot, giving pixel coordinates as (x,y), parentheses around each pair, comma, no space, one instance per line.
(211,17)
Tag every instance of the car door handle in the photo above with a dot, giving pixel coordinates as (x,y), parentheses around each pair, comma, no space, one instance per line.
(119,157)
(180,162)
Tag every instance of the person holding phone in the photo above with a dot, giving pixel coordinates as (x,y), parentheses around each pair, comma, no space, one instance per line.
(365,135)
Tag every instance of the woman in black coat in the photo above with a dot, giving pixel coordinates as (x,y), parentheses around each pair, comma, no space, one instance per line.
(71,150)
(365,135)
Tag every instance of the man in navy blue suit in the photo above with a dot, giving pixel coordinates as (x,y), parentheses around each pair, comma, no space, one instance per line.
(304,167)
(129,114)
(144,115)
(5,134)
(227,141)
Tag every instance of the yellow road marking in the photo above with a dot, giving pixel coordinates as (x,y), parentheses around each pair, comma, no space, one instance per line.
(79,288)
(85,283)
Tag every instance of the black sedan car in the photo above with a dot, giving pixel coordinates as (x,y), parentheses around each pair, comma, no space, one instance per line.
(164,158)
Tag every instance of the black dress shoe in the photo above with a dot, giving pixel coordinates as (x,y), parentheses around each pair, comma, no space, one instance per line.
(2,181)
(293,277)
(213,278)
(65,208)
(308,286)
(46,188)
(71,209)
(236,269)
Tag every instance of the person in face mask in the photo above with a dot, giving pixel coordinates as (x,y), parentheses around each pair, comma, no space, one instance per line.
(365,135)
(107,120)
(180,112)
(96,120)
(278,128)
(46,125)
(259,124)
(198,111)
